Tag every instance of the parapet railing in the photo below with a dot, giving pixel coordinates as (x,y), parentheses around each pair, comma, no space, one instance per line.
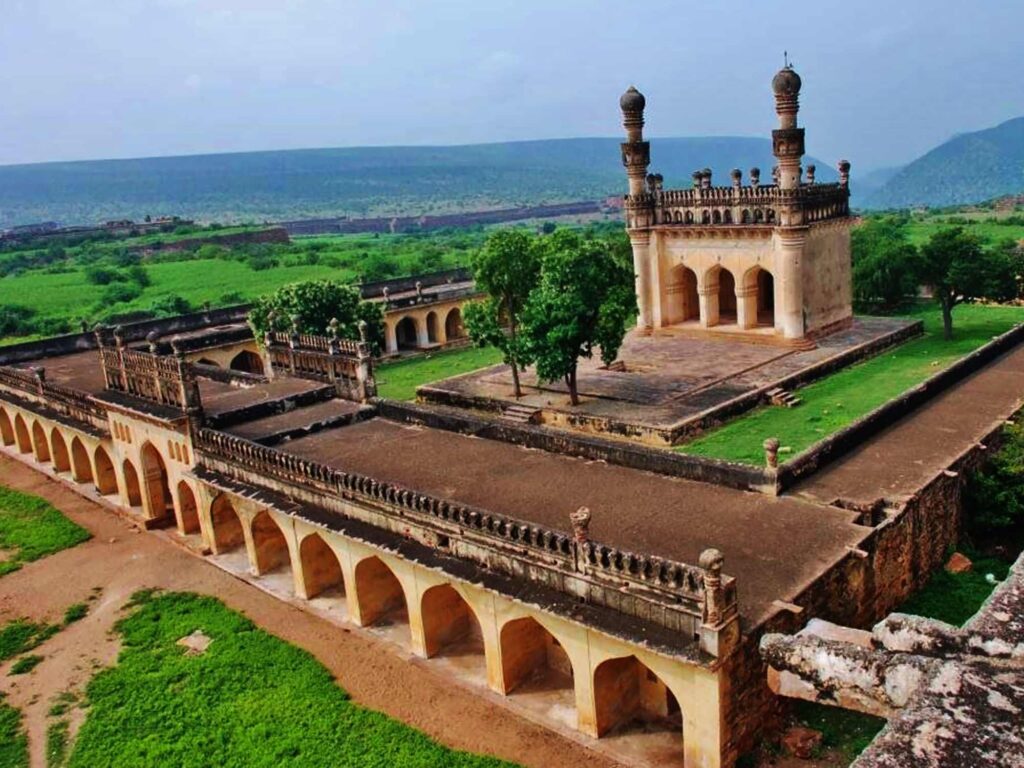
(162,379)
(343,363)
(696,601)
(70,402)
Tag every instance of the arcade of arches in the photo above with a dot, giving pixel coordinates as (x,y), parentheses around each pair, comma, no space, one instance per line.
(717,298)
(423,327)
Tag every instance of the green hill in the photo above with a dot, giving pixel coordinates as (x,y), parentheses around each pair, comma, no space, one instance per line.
(968,168)
(358,181)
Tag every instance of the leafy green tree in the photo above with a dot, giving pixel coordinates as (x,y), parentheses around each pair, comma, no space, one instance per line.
(995,495)
(957,269)
(507,268)
(1013,252)
(886,264)
(584,300)
(315,303)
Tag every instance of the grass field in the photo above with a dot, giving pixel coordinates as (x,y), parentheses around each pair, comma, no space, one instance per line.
(398,380)
(833,402)
(13,741)
(980,223)
(31,528)
(249,701)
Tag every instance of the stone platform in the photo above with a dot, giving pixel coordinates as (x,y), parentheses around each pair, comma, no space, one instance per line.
(672,384)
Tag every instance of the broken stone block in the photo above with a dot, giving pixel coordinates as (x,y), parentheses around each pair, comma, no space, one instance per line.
(958,563)
(801,742)
(195,643)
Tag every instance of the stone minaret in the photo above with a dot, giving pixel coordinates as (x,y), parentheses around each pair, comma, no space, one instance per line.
(787,139)
(636,156)
(636,153)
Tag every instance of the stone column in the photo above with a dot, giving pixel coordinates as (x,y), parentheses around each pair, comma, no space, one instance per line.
(641,242)
(708,299)
(789,310)
(422,337)
(746,306)
(390,339)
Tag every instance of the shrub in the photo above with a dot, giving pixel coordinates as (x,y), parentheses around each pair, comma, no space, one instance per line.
(102,275)
(25,664)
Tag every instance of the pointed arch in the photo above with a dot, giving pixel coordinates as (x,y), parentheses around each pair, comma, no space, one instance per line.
(188,508)
(21,433)
(158,491)
(40,444)
(319,566)
(407,333)
(132,487)
(628,695)
(59,450)
(759,297)
(247,361)
(449,624)
(532,658)
(228,534)
(106,478)
(453,328)
(6,428)
(269,543)
(379,594)
(81,467)
(683,298)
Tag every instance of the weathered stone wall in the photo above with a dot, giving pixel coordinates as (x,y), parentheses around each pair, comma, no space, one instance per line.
(827,278)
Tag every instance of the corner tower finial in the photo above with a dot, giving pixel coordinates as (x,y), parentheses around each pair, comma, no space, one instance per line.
(636,153)
(787,139)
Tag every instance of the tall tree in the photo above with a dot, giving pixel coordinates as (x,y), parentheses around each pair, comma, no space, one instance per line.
(315,303)
(585,298)
(957,269)
(885,263)
(507,268)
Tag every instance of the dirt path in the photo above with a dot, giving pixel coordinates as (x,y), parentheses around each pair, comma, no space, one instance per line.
(121,561)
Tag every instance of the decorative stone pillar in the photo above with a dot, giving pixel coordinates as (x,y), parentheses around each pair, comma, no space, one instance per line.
(746,306)
(151,339)
(641,242)
(844,172)
(755,177)
(580,520)
(771,452)
(422,336)
(790,309)
(707,296)
(787,139)
(390,338)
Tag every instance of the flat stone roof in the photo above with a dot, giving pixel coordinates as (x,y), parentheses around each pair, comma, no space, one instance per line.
(773,546)
(898,461)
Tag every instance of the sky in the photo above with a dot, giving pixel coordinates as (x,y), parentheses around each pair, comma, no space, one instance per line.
(883,81)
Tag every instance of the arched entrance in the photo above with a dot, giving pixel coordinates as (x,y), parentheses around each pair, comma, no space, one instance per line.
(6,428)
(533,661)
(450,627)
(81,467)
(432,327)
(106,478)
(270,544)
(765,298)
(61,457)
(405,333)
(228,534)
(188,507)
(379,594)
(629,696)
(39,442)
(131,484)
(321,570)
(158,491)
(726,297)
(247,361)
(21,434)
(683,300)
(453,325)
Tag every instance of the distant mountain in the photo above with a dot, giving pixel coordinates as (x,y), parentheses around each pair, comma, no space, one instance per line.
(968,168)
(359,181)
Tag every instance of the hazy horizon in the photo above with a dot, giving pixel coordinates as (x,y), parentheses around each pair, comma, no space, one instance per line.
(167,78)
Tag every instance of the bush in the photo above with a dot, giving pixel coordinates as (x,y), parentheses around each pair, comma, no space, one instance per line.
(102,275)
(25,664)
(995,495)
(16,320)
(138,275)
(120,293)
(168,306)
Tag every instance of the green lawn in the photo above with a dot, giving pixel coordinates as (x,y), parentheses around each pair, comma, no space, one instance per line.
(31,528)
(833,402)
(249,701)
(955,597)
(13,741)
(398,380)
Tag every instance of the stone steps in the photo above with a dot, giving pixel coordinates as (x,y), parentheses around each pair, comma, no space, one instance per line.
(783,397)
(520,414)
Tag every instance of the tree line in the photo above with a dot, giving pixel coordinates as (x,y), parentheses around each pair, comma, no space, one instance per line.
(954,266)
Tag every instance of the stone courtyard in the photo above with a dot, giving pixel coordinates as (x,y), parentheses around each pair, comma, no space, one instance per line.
(671,383)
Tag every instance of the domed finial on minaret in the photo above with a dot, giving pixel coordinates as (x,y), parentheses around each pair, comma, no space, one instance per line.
(787,139)
(844,172)
(636,153)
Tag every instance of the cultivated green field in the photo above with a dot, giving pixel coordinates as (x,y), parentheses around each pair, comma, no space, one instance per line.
(833,402)
(398,380)
(988,225)
(250,699)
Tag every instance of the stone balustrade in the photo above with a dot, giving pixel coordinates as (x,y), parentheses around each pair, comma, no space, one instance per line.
(164,380)
(346,364)
(64,400)
(672,594)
